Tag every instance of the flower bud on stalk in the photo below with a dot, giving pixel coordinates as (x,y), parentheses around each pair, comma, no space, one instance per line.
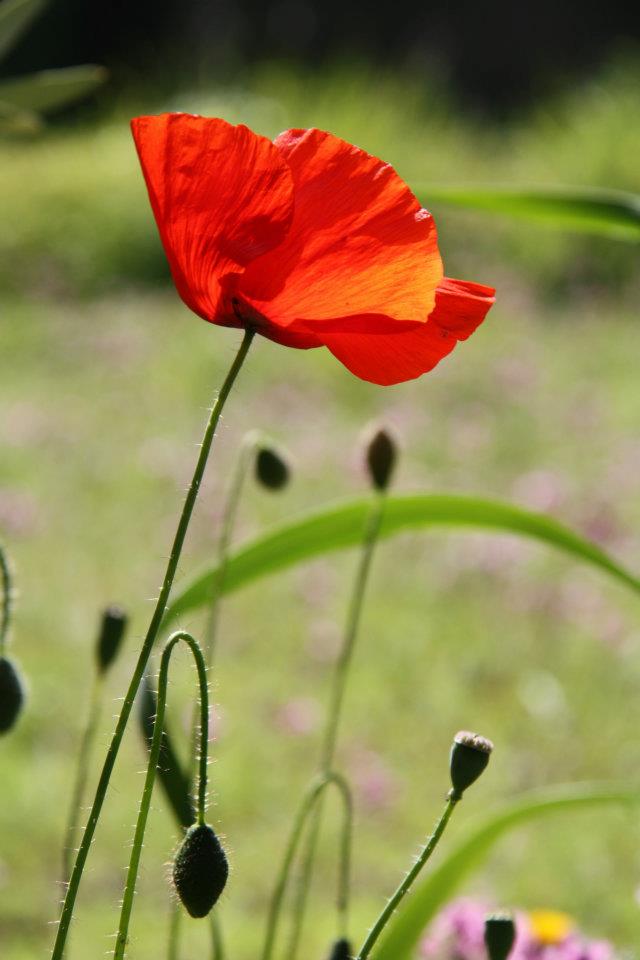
(272,470)
(469,758)
(112,629)
(341,950)
(12,694)
(499,935)
(382,452)
(200,870)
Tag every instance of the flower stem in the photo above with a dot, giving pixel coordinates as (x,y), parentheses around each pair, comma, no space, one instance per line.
(339,685)
(307,806)
(82,774)
(152,769)
(217,943)
(7,600)
(408,881)
(145,652)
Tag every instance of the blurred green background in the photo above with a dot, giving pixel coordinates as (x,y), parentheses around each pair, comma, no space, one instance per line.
(106,378)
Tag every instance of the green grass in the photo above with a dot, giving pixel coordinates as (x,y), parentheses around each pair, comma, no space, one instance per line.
(105,383)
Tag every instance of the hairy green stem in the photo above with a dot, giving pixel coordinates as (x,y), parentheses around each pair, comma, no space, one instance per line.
(408,881)
(152,769)
(7,599)
(307,806)
(334,714)
(145,652)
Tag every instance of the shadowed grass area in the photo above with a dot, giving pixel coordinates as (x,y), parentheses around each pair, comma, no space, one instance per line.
(105,383)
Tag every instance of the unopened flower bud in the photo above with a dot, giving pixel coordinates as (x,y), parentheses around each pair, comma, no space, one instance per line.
(272,470)
(341,950)
(112,628)
(200,870)
(469,757)
(499,935)
(381,458)
(11,694)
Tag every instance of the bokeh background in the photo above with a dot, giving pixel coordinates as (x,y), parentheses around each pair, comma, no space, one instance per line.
(105,381)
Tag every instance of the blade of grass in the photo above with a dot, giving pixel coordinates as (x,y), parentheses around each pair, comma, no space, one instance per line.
(340,526)
(609,213)
(15,19)
(406,928)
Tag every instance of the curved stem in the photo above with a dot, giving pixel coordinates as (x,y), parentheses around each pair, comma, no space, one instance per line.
(152,769)
(339,685)
(307,806)
(156,620)
(407,883)
(82,775)
(7,599)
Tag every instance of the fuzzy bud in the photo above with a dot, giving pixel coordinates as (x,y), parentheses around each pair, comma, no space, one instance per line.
(272,470)
(469,757)
(11,694)
(112,628)
(200,870)
(341,950)
(382,452)
(499,935)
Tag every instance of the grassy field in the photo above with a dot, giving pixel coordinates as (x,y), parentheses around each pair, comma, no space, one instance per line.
(105,382)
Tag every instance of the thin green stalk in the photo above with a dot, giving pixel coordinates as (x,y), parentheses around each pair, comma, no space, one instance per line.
(173,941)
(217,943)
(334,715)
(224,541)
(82,775)
(408,881)
(307,806)
(154,626)
(152,769)
(7,600)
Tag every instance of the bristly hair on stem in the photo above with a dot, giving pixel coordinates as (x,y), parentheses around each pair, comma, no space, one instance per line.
(150,638)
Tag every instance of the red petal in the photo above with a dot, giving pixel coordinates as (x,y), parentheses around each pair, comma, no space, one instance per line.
(221,195)
(386,358)
(359,242)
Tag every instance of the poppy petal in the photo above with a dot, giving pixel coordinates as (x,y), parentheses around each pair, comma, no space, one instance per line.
(359,242)
(221,196)
(388,358)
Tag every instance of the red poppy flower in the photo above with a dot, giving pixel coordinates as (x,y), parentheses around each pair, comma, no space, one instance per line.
(309,240)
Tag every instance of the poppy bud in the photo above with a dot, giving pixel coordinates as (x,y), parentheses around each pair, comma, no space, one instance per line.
(381,458)
(341,950)
(200,870)
(469,757)
(272,470)
(112,628)
(499,935)
(11,694)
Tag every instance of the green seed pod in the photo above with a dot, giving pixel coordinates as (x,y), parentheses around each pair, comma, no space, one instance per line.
(341,950)
(499,935)
(272,470)
(112,629)
(11,694)
(469,757)
(382,451)
(200,870)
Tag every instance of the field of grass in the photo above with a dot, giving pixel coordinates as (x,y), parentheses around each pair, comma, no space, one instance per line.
(105,382)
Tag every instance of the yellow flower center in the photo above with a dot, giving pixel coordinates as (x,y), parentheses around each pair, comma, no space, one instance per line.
(550,926)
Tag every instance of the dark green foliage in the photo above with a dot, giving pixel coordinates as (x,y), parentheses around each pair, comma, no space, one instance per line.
(381,459)
(200,870)
(174,782)
(469,757)
(272,470)
(11,694)
(112,630)
(499,935)
(341,950)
